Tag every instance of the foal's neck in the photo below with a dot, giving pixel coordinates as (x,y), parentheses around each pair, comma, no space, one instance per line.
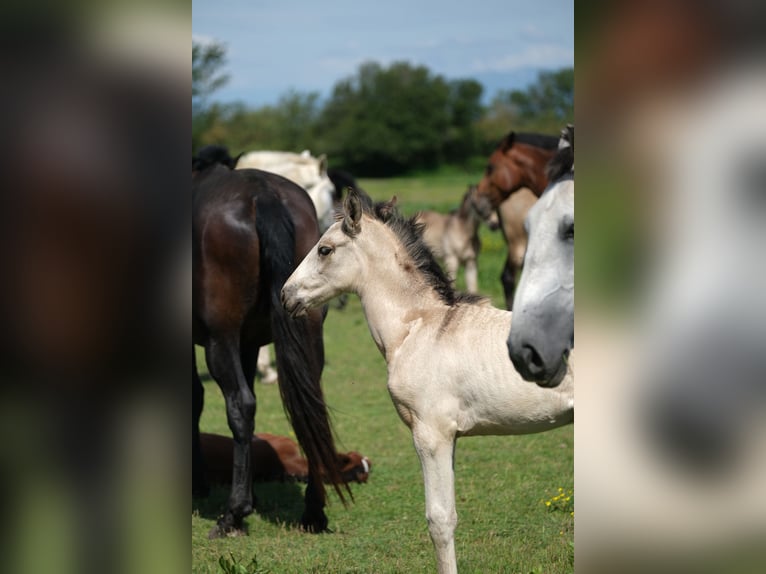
(392,292)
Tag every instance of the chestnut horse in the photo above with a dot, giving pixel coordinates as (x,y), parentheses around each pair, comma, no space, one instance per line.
(275,457)
(250,229)
(518,162)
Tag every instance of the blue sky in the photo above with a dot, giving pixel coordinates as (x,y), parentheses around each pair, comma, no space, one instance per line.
(277,45)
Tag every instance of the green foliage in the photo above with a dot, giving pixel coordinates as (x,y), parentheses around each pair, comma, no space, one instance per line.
(233,566)
(387,120)
(207,61)
(382,121)
(545,107)
(289,126)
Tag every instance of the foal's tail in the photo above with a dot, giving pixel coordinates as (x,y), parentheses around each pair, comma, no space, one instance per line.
(299,351)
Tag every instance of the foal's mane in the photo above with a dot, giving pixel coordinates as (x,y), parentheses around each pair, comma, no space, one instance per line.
(410,233)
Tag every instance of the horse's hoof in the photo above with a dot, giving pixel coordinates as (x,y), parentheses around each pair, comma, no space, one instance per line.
(227,527)
(219,532)
(317,525)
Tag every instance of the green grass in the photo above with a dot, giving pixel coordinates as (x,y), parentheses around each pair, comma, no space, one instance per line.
(502,483)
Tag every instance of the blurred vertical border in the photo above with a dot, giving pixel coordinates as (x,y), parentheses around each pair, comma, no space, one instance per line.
(96,286)
(670,451)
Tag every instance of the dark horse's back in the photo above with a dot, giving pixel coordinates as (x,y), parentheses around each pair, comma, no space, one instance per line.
(231,211)
(250,229)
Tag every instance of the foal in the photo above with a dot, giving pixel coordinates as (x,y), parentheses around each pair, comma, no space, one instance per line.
(454,238)
(448,370)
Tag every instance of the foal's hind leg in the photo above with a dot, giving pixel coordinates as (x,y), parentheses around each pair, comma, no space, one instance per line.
(223,360)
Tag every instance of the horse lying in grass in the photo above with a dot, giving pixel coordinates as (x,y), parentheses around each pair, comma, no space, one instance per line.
(448,370)
(274,457)
(454,238)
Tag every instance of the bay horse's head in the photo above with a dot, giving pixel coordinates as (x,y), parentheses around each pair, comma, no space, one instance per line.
(518,161)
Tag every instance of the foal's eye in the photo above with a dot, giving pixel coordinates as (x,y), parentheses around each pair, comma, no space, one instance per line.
(489,169)
(324,250)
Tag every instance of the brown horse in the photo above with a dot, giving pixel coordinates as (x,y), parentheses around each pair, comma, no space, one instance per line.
(275,458)
(250,229)
(518,162)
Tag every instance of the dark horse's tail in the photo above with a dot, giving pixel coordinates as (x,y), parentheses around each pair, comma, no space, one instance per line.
(299,351)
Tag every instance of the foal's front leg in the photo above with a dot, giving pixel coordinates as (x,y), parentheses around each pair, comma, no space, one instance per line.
(437,453)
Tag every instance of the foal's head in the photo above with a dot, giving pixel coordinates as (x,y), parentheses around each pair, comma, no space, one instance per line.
(354,243)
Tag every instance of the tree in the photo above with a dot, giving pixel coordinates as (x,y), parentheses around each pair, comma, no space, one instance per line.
(465,110)
(384,121)
(545,106)
(207,60)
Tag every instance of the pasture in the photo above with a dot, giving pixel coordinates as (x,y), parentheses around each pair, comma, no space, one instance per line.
(502,483)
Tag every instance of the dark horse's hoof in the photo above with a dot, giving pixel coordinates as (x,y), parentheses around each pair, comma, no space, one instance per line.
(218,532)
(227,527)
(314,523)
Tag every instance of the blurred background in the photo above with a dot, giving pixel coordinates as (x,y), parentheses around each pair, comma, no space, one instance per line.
(669,450)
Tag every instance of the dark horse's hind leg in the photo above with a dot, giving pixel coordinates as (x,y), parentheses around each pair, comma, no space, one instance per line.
(223,360)
(200,487)
(314,519)
(508,279)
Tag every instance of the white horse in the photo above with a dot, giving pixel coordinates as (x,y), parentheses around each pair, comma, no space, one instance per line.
(542,334)
(448,370)
(302,168)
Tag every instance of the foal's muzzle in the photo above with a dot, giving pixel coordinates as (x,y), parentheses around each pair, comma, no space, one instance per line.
(290,301)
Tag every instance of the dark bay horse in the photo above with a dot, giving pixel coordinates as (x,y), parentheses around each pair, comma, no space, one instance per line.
(518,161)
(250,230)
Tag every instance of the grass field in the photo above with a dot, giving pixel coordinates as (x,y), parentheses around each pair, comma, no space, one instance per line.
(502,483)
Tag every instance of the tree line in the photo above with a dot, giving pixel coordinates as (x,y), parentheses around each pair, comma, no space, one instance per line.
(383,120)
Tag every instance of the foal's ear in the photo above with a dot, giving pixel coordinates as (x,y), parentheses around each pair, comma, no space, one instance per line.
(385,210)
(352,208)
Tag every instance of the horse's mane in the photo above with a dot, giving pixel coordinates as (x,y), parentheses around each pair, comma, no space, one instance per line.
(537,140)
(410,233)
(210,155)
(562,164)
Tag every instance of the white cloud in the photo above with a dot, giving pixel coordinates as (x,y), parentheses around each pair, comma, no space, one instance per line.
(204,39)
(534,56)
